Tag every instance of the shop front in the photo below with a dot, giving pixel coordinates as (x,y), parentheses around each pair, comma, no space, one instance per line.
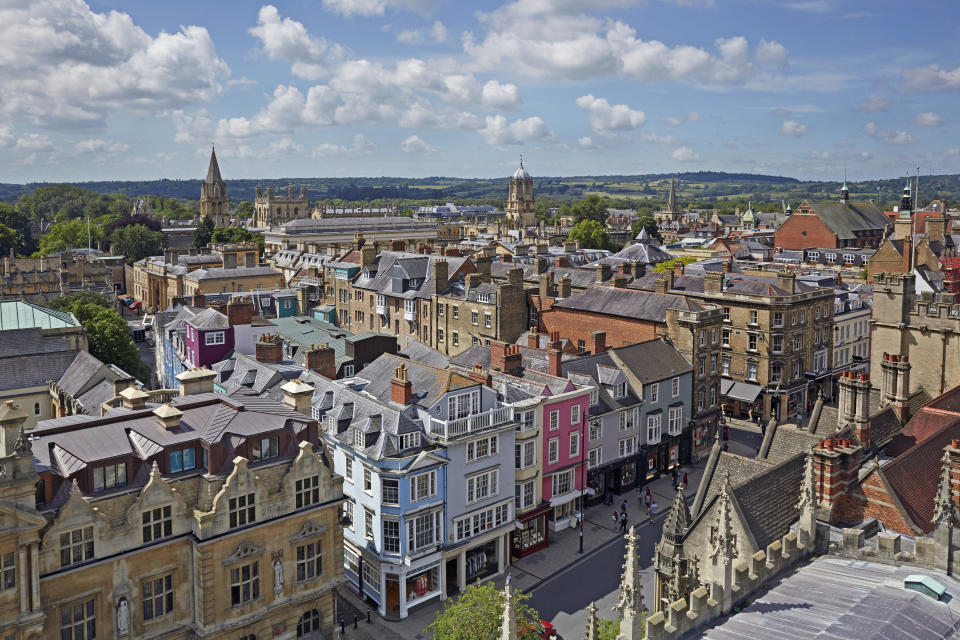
(742,400)
(611,479)
(484,558)
(405,587)
(564,510)
(531,532)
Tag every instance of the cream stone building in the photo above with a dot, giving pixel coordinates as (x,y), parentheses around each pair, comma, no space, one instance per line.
(205,517)
(520,203)
(271,208)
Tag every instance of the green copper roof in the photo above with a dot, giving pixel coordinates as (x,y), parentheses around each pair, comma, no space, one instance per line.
(17,314)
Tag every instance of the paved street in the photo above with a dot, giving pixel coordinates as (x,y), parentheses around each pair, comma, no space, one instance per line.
(560,581)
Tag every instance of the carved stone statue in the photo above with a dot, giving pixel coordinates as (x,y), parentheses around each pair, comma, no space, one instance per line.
(123,618)
(277,576)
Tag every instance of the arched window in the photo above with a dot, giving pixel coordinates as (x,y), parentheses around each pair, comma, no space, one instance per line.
(36,408)
(308,623)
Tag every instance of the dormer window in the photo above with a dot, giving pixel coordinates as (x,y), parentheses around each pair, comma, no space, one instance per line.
(265,448)
(619,389)
(483,297)
(214,338)
(110,476)
(409,441)
(359,439)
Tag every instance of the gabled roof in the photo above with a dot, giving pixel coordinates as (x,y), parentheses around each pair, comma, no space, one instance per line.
(628,303)
(428,384)
(844,219)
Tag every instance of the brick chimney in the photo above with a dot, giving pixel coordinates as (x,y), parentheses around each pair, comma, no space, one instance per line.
(599,342)
(554,357)
(506,257)
(678,267)
(453,252)
(322,359)
(935,229)
(726,266)
(269,348)
(480,375)
(398,245)
(619,281)
(546,288)
(638,269)
(533,338)
(400,387)
(713,282)
(836,463)
(561,261)
(853,406)
(623,268)
(895,384)
(508,358)
(563,291)
(239,312)
(786,281)
(199,300)
(603,272)
(441,274)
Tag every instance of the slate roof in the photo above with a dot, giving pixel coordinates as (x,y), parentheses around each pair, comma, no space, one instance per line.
(586,370)
(378,276)
(844,219)
(628,303)
(209,319)
(65,445)
(242,272)
(241,371)
(639,251)
(34,370)
(832,598)
(416,350)
(653,360)
(428,384)
(357,225)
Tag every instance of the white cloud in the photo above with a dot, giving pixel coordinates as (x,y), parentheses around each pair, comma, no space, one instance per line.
(888,137)
(500,96)
(793,129)
(410,36)
(693,116)
(771,54)
(927,119)
(415,144)
(6,136)
(497,131)
(685,154)
(654,138)
(874,102)
(34,142)
(953,151)
(100,146)
(361,145)
(65,65)
(557,40)
(930,78)
(286,39)
(439,31)
(606,118)
(820,155)
(586,142)
(373,7)
(286,145)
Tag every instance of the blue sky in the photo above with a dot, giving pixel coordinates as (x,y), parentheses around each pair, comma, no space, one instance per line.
(807,88)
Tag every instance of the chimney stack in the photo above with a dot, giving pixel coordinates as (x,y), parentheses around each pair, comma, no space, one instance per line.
(401,388)
(599,342)
(298,395)
(786,281)
(321,359)
(168,415)
(269,348)
(533,338)
(563,291)
(505,358)
(603,272)
(133,398)
(194,381)
(554,358)
(441,274)
(239,312)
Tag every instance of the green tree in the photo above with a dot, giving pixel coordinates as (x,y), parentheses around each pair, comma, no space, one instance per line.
(590,234)
(136,242)
(590,208)
(9,239)
(107,332)
(648,223)
(70,300)
(70,234)
(20,224)
(236,234)
(476,613)
(608,629)
(203,232)
(660,267)
(245,209)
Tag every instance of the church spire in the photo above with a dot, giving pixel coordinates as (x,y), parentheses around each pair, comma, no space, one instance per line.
(213,170)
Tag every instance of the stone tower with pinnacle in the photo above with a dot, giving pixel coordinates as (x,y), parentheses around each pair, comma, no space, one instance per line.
(668,553)
(520,204)
(214,201)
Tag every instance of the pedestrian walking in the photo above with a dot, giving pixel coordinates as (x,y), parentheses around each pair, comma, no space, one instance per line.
(647,499)
(623,522)
(684,480)
(653,509)
(616,517)
(674,473)
(623,507)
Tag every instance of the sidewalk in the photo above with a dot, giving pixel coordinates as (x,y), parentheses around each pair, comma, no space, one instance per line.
(599,530)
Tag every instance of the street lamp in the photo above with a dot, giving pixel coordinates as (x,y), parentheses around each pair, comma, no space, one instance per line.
(583,470)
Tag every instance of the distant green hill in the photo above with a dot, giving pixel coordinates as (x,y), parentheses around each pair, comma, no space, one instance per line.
(703,188)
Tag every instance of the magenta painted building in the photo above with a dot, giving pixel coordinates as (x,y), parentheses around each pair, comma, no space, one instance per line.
(564,419)
(208,338)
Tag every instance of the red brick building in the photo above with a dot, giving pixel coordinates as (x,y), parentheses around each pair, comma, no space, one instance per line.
(837,224)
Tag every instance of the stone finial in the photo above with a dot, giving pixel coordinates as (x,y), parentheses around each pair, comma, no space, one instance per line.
(630,603)
(724,544)
(808,490)
(22,445)
(593,625)
(944,508)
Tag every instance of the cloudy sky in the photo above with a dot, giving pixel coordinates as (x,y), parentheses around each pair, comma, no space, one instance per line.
(140,89)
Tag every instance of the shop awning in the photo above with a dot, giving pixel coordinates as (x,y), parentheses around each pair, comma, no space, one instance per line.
(564,499)
(745,391)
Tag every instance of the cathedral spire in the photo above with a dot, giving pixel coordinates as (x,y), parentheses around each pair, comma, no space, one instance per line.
(630,603)
(944,509)
(213,170)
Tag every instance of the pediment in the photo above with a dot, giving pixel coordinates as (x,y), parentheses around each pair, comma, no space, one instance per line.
(310,529)
(15,518)
(244,551)
(425,459)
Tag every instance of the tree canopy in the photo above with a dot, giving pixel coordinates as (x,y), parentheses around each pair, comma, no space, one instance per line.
(136,242)
(475,615)
(70,234)
(64,202)
(236,234)
(648,223)
(107,331)
(203,233)
(20,224)
(590,208)
(590,234)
